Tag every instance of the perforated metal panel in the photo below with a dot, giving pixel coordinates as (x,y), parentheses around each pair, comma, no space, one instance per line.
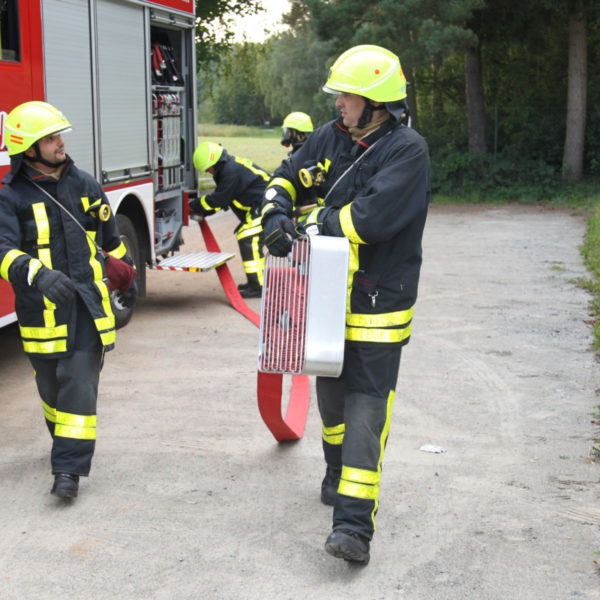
(303,308)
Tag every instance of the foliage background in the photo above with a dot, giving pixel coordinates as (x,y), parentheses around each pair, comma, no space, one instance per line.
(524,59)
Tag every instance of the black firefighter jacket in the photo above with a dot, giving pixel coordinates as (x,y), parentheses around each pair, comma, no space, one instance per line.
(33,227)
(376,194)
(240,185)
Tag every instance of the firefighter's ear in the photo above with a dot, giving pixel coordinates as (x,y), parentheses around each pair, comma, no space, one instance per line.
(29,153)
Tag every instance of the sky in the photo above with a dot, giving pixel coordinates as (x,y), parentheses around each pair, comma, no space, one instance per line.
(253,27)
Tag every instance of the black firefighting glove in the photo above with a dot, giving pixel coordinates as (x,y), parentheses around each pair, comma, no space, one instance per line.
(311,223)
(55,285)
(279,232)
(196,207)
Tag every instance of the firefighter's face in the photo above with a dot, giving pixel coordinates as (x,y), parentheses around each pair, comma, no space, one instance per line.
(52,150)
(351,107)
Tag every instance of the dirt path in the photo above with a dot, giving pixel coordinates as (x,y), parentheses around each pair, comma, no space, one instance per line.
(190,497)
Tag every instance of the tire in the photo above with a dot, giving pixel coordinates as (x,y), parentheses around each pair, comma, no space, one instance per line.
(130,239)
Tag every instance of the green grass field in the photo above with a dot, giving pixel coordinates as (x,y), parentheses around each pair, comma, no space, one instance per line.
(259,145)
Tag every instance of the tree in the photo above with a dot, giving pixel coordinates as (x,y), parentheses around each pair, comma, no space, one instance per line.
(572,165)
(214,34)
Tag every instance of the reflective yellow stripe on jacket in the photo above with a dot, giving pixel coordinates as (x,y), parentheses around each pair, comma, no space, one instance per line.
(50,338)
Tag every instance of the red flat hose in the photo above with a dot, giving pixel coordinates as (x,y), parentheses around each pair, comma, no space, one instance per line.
(269,386)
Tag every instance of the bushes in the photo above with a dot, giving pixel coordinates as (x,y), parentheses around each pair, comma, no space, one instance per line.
(481,177)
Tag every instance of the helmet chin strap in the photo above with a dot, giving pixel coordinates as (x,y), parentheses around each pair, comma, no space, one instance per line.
(38,158)
(367,114)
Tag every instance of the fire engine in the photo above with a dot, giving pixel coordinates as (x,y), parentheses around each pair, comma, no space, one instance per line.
(124,74)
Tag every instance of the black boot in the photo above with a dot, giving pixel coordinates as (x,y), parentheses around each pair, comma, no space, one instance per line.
(65,485)
(252,291)
(349,545)
(243,286)
(329,486)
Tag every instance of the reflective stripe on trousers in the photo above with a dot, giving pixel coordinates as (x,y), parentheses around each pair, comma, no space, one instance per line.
(356,410)
(250,242)
(68,388)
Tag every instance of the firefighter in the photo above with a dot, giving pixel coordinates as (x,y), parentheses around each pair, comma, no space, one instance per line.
(296,128)
(240,185)
(54,262)
(376,193)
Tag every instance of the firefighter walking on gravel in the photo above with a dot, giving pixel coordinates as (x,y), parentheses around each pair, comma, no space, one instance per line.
(54,223)
(240,185)
(375,184)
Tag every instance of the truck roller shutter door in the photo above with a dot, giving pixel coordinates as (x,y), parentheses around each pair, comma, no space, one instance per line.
(122,87)
(68,75)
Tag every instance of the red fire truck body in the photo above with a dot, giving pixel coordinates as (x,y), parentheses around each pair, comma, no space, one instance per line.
(124,74)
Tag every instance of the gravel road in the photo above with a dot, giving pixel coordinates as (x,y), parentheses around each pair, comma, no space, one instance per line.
(190,496)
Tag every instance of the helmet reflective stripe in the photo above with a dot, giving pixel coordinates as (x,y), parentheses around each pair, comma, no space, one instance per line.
(369,71)
(299,121)
(30,122)
(206,155)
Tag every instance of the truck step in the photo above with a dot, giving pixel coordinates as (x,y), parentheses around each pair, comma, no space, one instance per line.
(197,261)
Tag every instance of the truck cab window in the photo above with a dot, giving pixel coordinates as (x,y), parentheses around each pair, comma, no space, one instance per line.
(9,31)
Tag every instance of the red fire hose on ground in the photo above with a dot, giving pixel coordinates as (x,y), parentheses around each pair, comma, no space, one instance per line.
(269,385)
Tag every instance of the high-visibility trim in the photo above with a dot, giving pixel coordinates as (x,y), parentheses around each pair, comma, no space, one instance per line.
(250,166)
(206,206)
(392,319)
(7,261)
(358,490)
(348,226)
(107,322)
(49,347)
(43,241)
(286,185)
(334,435)
(43,333)
(120,251)
(43,233)
(267,207)
(382,442)
(108,337)
(34,266)
(241,206)
(253,266)
(75,433)
(249,228)
(313,216)
(85,201)
(103,323)
(361,475)
(95,264)
(384,336)
(49,412)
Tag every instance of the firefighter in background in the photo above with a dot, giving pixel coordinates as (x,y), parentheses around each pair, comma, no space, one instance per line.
(240,185)
(57,272)
(376,193)
(296,128)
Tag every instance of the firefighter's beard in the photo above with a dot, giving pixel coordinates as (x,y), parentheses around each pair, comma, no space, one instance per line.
(59,158)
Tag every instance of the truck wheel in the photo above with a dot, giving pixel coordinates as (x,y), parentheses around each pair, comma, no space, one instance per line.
(130,239)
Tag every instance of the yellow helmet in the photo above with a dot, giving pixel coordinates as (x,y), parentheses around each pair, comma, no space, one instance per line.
(206,155)
(30,122)
(369,71)
(299,121)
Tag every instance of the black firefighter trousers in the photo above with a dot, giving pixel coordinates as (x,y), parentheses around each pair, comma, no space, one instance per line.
(68,388)
(356,409)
